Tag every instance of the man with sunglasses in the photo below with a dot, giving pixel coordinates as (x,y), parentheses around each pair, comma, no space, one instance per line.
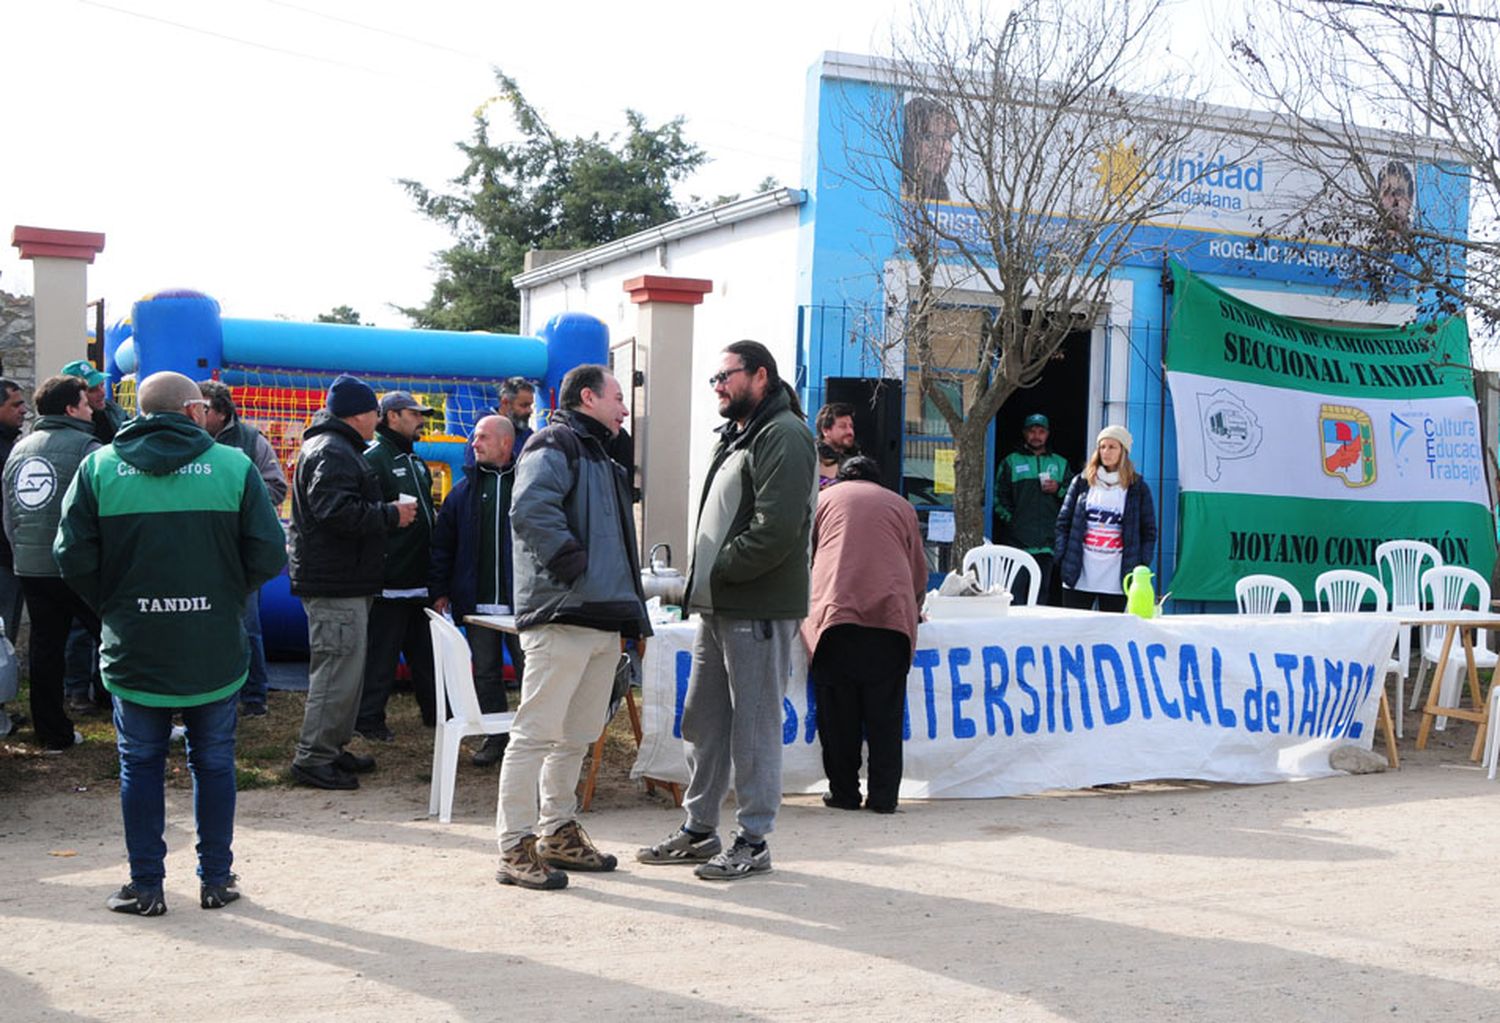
(749,582)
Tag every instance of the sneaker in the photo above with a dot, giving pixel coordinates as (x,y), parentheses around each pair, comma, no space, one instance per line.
(521,866)
(492,752)
(375,733)
(82,706)
(569,848)
(141,901)
(253,710)
(52,751)
(217,896)
(682,846)
(741,860)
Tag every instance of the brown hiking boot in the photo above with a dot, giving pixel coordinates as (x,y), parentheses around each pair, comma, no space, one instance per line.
(568,848)
(522,866)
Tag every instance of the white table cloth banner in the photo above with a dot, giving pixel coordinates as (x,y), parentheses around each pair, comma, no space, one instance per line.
(1046,699)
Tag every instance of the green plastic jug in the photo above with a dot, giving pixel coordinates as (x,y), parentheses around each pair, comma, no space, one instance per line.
(1140,595)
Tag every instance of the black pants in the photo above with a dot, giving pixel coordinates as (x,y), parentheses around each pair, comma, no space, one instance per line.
(397,627)
(1084,600)
(53,607)
(859,681)
(489,666)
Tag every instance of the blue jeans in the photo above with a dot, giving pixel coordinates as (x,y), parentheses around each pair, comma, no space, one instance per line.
(143,736)
(253,693)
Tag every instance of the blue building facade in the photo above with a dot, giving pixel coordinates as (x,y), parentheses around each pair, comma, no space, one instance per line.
(850,259)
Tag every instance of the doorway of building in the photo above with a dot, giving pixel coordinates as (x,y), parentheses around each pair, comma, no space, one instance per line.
(1062,395)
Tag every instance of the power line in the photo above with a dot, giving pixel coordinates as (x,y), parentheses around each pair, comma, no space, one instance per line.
(590,119)
(232,39)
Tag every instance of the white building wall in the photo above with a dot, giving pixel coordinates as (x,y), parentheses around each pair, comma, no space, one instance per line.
(753,267)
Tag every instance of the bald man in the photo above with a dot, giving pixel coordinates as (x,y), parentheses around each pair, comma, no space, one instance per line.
(165,534)
(471,568)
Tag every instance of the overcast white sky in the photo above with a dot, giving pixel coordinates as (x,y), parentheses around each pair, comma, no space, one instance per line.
(250,148)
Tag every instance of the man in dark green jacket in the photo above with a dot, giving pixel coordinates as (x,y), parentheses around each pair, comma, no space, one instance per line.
(398,624)
(749,581)
(37,475)
(1029,492)
(164,534)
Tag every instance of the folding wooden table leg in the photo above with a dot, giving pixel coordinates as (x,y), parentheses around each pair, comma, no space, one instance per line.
(1389,733)
(1431,707)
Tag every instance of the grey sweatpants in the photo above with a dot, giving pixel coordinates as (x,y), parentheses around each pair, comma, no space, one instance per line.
(732,717)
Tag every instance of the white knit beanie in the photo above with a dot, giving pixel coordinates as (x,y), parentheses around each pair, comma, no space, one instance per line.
(1116,433)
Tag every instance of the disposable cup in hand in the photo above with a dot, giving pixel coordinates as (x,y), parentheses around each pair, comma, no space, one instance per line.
(406,499)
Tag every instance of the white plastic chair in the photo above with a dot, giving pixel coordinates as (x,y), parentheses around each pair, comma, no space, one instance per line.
(996,563)
(1259,595)
(455,690)
(1444,589)
(1344,591)
(1402,561)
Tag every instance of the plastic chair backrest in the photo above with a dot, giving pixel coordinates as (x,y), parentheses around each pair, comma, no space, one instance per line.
(1259,595)
(1447,585)
(996,563)
(1402,560)
(454,668)
(1445,588)
(1343,591)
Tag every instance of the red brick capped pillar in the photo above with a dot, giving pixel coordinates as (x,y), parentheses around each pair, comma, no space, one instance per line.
(60,288)
(663,424)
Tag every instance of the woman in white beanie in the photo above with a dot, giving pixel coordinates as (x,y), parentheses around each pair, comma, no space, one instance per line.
(1106,527)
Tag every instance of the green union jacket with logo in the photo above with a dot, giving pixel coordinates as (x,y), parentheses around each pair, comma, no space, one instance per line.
(164,533)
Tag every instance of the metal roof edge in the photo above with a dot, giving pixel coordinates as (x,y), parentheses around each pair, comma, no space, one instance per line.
(672,230)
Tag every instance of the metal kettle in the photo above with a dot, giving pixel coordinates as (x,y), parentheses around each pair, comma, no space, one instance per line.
(660,579)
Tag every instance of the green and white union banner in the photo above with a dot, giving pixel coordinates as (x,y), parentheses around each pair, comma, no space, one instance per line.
(1301,448)
(1252,439)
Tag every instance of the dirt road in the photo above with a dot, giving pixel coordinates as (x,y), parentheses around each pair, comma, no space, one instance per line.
(1355,898)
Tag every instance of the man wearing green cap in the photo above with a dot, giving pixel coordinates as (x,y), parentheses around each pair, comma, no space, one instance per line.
(108,417)
(1028,494)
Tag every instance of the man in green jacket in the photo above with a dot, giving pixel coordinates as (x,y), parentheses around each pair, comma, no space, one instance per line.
(749,581)
(1029,492)
(164,534)
(398,624)
(41,466)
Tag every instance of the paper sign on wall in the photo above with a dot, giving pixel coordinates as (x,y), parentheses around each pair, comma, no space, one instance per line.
(942,471)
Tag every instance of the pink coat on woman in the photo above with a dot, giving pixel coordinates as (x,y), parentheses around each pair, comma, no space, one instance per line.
(868,566)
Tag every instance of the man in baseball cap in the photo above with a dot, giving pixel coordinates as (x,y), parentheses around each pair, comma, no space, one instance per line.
(397,622)
(1028,493)
(108,417)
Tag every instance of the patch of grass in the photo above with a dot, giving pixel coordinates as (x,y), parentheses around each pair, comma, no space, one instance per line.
(247,778)
(264,752)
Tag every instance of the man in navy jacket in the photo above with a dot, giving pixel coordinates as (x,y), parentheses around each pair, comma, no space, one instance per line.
(471,569)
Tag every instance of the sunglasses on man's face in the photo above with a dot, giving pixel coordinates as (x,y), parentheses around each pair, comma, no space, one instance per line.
(719,378)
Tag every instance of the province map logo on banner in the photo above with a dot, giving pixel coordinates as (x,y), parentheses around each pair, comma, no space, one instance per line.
(1302,447)
(1348,445)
